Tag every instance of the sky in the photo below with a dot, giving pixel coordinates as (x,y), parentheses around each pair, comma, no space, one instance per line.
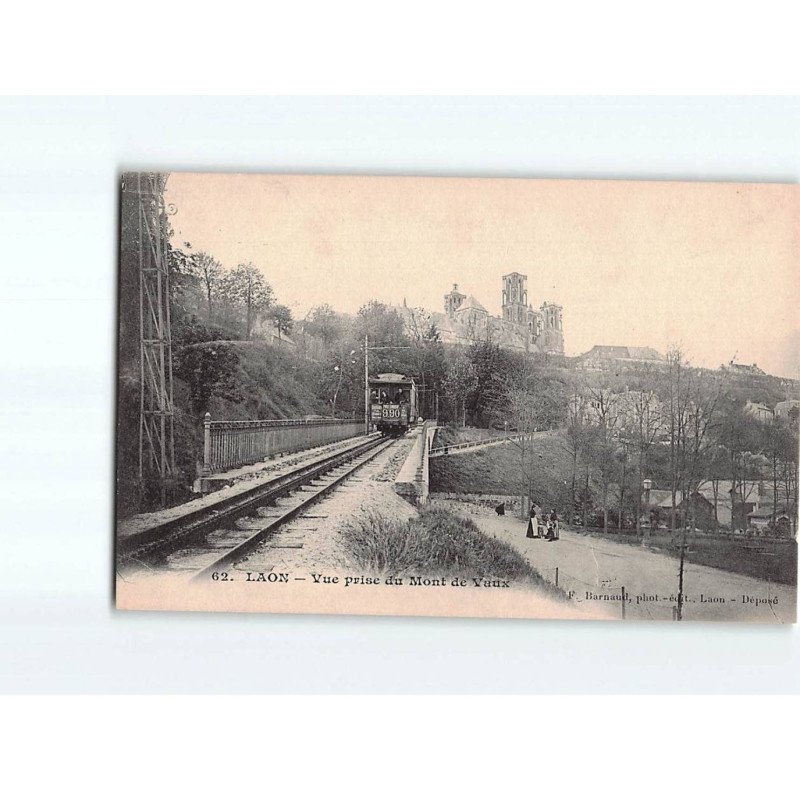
(711,267)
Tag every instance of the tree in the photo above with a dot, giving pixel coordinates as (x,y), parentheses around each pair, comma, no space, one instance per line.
(575,438)
(459,381)
(791,446)
(780,449)
(642,423)
(676,391)
(184,284)
(716,470)
(700,445)
(429,357)
(622,468)
(602,445)
(386,331)
(281,316)
(324,323)
(523,417)
(692,410)
(383,325)
(739,435)
(341,371)
(492,367)
(210,272)
(246,288)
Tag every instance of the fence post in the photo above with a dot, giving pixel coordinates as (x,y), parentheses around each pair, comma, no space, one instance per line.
(207,444)
(556,577)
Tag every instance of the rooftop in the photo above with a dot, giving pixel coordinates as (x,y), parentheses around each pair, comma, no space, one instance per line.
(471,303)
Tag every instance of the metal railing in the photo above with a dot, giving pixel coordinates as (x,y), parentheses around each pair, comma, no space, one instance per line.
(234,443)
(477,444)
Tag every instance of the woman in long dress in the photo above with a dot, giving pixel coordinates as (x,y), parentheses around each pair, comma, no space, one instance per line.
(533,522)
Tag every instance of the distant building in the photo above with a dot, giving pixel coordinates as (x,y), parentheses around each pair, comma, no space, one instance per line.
(715,503)
(700,509)
(605,357)
(544,325)
(466,309)
(742,369)
(759,411)
(521,326)
(762,520)
(750,497)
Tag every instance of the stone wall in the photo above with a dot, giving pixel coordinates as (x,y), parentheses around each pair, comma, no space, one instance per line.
(484,500)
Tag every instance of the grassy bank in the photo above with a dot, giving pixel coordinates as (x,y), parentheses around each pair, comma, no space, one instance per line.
(436,544)
(768,560)
(499,470)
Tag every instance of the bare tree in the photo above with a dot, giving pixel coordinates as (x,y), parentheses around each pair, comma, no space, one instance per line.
(716,470)
(523,417)
(605,405)
(677,406)
(642,422)
(575,438)
(700,445)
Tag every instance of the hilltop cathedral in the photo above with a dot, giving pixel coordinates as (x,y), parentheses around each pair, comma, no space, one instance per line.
(521,327)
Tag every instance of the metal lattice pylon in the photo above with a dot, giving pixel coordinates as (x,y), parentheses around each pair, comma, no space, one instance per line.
(156,409)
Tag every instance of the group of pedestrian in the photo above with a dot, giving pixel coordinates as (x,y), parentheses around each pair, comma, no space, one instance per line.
(542,525)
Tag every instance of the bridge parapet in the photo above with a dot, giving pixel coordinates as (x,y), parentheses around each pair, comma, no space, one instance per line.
(412,482)
(235,443)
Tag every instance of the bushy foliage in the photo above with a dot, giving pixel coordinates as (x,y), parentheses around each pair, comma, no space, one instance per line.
(437,543)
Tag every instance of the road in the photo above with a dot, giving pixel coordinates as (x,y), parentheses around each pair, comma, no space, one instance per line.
(594,570)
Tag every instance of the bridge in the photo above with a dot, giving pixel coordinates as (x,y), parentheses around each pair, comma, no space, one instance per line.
(232,448)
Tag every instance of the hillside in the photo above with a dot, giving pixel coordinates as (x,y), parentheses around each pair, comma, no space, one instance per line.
(229,379)
(498,470)
(248,380)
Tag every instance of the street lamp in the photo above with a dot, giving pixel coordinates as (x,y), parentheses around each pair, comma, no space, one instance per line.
(647,485)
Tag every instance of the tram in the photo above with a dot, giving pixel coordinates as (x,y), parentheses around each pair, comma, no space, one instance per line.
(393,403)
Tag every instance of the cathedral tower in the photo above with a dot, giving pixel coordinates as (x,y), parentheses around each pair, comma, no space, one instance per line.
(453,300)
(515,298)
(553,330)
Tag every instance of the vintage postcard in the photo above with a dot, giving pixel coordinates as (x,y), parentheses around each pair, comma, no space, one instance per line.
(502,398)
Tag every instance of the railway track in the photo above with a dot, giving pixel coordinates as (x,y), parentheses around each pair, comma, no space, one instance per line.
(218,536)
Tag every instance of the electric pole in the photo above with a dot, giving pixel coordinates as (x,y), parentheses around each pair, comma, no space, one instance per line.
(680,575)
(366,383)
